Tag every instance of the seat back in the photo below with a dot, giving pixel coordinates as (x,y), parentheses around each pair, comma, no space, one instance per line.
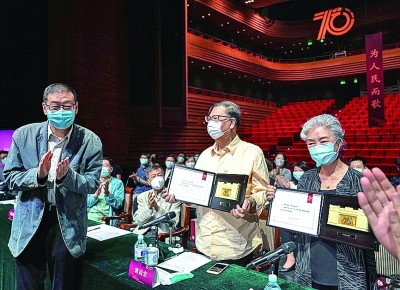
(128,199)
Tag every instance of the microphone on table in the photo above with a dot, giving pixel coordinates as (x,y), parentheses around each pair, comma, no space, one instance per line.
(164,218)
(269,257)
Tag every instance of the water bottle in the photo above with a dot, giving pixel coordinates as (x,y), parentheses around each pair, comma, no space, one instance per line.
(141,250)
(272,282)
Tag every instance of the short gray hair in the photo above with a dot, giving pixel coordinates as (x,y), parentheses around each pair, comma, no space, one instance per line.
(58,88)
(326,121)
(154,167)
(232,110)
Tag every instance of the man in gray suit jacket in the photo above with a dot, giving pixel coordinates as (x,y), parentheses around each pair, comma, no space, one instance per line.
(53,165)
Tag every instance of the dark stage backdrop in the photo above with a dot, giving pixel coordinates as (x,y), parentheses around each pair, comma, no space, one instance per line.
(23,61)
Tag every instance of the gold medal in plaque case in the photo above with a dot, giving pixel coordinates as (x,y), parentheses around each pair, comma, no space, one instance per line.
(228,190)
(347,217)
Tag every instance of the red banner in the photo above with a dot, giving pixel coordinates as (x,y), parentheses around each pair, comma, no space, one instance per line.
(375,84)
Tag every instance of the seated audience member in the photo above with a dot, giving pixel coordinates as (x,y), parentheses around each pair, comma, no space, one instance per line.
(380,202)
(320,263)
(358,163)
(3,157)
(169,165)
(140,177)
(180,160)
(395,180)
(270,167)
(298,170)
(282,175)
(152,205)
(190,162)
(117,171)
(109,196)
(196,157)
(153,159)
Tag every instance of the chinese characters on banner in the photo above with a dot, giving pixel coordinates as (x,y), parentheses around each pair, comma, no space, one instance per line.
(375,85)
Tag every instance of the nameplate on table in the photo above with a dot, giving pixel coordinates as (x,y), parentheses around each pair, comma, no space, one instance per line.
(143,274)
(296,210)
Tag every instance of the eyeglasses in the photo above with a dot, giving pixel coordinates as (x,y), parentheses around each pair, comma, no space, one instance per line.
(214,118)
(57,107)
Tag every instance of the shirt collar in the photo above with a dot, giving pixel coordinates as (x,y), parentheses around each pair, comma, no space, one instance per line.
(50,133)
(231,147)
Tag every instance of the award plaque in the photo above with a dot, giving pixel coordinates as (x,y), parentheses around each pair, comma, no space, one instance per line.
(296,210)
(215,190)
(343,221)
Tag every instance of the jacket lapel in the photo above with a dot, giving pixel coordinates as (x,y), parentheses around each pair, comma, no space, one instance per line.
(73,144)
(42,141)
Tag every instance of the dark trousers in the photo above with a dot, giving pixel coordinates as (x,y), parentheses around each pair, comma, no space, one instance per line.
(47,247)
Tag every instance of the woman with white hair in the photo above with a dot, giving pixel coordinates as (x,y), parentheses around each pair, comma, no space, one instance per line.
(323,264)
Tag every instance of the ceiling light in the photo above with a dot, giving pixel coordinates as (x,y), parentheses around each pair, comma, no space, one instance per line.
(355,80)
(342,82)
(322,40)
(202,16)
(222,24)
(309,43)
(227,22)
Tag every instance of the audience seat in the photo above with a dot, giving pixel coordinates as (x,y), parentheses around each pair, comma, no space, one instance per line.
(125,217)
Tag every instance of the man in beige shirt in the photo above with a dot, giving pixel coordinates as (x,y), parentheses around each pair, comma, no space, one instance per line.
(231,236)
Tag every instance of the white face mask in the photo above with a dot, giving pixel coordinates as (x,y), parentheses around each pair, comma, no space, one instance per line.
(279,162)
(158,182)
(190,164)
(359,169)
(214,129)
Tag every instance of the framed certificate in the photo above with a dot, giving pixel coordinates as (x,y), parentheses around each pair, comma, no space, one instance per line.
(296,210)
(215,190)
(343,221)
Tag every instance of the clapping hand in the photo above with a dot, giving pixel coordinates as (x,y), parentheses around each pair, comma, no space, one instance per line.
(62,168)
(105,186)
(44,165)
(381,204)
(152,203)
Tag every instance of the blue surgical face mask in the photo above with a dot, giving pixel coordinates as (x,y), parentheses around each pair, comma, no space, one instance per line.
(3,160)
(144,161)
(105,172)
(169,164)
(297,174)
(323,154)
(61,119)
(196,158)
(181,159)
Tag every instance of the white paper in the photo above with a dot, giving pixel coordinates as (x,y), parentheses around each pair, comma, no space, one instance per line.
(105,232)
(185,262)
(296,210)
(165,278)
(193,186)
(9,201)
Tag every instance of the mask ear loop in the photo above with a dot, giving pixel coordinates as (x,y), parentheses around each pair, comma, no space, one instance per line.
(340,144)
